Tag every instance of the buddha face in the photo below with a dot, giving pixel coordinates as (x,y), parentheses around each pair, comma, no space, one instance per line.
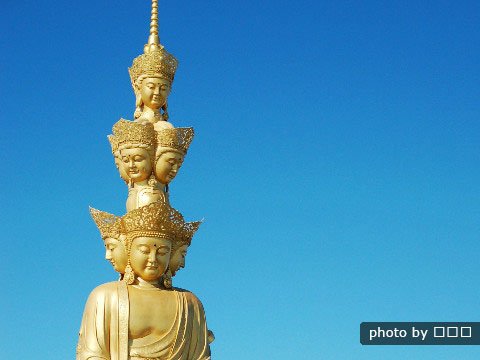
(115,253)
(167,166)
(121,169)
(149,257)
(135,163)
(177,260)
(154,92)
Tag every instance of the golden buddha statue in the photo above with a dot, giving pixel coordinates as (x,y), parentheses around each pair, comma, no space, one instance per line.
(123,320)
(142,317)
(113,237)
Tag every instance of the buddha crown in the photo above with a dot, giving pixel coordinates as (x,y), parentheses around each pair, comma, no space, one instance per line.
(131,133)
(155,61)
(177,138)
(187,235)
(109,225)
(157,219)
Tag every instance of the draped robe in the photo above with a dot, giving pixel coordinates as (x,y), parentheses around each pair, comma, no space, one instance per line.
(104,330)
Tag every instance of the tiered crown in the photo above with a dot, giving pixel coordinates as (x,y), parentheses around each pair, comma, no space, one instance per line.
(155,61)
(128,132)
(157,220)
(108,224)
(187,235)
(177,138)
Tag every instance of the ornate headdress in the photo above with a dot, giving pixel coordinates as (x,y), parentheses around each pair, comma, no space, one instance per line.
(178,139)
(157,219)
(155,61)
(187,235)
(109,225)
(128,132)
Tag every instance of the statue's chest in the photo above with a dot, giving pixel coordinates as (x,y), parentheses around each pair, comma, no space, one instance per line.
(151,312)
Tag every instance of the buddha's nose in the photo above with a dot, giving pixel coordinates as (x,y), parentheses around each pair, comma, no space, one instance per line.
(152,257)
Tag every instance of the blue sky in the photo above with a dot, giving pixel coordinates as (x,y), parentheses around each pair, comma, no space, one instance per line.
(336,164)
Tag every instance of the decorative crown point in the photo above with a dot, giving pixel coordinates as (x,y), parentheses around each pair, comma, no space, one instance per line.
(190,229)
(127,133)
(109,225)
(178,139)
(153,39)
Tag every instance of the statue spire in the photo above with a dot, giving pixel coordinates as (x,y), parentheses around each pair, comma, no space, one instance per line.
(154,39)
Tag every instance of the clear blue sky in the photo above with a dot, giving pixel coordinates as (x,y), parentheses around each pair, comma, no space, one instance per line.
(336,163)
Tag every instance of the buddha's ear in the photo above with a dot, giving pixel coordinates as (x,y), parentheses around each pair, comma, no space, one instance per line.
(138,98)
(138,104)
(165,111)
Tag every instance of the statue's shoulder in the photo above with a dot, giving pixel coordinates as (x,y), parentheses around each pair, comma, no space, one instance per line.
(189,296)
(105,289)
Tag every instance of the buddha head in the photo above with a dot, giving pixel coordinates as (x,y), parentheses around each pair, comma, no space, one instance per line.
(152,232)
(152,92)
(115,252)
(113,237)
(150,256)
(172,146)
(133,148)
(152,76)
(177,260)
(179,251)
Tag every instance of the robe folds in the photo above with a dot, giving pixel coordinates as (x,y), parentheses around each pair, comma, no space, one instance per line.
(104,329)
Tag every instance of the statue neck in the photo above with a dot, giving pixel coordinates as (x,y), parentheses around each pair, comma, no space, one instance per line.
(144,184)
(147,285)
(151,115)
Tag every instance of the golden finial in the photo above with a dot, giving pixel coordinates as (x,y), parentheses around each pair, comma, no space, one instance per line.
(153,39)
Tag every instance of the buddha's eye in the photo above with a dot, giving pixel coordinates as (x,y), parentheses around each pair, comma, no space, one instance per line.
(139,158)
(144,249)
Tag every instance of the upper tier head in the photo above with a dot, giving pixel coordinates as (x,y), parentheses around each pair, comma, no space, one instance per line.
(133,146)
(152,75)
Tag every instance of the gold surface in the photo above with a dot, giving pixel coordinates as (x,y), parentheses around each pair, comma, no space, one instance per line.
(142,316)
(152,75)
